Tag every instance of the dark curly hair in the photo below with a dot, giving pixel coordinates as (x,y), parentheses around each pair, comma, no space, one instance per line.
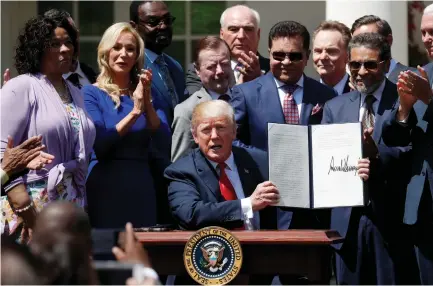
(35,39)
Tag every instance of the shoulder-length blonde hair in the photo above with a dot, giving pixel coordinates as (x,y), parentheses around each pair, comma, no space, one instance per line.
(109,39)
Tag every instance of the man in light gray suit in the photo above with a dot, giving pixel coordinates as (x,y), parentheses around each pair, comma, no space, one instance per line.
(212,65)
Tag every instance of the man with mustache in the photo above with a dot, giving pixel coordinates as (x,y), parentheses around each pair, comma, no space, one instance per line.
(240,30)
(212,65)
(374,24)
(411,125)
(154,23)
(375,250)
(330,57)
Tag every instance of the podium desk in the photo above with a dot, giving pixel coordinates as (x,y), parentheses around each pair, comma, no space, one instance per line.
(299,252)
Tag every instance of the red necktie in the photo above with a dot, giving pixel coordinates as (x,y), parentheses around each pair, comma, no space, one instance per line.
(226,187)
(290,109)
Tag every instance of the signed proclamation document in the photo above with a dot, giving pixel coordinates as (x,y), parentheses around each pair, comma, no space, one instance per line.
(315,166)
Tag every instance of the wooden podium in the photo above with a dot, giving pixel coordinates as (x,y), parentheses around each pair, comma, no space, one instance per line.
(298,252)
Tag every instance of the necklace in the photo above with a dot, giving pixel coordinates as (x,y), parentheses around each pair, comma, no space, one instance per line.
(124,89)
(65,95)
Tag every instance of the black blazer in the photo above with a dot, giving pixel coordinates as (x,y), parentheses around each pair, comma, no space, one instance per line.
(88,72)
(193,82)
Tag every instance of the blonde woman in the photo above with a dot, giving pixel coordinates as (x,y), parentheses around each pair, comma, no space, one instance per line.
(120,187)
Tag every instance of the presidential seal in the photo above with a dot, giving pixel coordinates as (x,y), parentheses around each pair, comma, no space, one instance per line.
(213,256)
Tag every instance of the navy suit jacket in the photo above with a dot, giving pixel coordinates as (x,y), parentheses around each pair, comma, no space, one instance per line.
(194,194)
(257,103)
(158,87)
(384,184)
(418,133)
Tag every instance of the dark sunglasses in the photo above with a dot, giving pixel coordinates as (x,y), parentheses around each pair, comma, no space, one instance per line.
(368,65)
(293,57)
(156,21)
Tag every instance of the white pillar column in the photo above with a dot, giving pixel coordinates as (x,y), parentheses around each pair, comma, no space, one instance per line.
(394,12)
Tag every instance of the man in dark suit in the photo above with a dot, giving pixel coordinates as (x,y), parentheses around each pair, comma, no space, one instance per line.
(284,95)
(240,30)
(412,124)
(374,24)
(375,250)
(154,23)
(217,183)
(330,58)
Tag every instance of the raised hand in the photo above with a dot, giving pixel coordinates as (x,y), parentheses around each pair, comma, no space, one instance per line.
(251,67)
(364,168)
(264,195)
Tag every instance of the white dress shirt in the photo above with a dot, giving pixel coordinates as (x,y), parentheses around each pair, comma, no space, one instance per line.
(297,95)
(215,95)
(339,87)
(251,219)
(377,94)
(81,76)
(235,71)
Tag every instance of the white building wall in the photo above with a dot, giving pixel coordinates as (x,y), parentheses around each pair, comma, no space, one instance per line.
(394,12)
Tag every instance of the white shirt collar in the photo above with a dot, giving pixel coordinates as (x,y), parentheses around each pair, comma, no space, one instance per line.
(216,95)
(300,82)
(392,65)
(233,64)
(77,71)
(230,162)
(339,87)
(377,93)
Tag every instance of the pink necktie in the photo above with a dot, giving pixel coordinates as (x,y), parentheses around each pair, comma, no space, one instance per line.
(290,109)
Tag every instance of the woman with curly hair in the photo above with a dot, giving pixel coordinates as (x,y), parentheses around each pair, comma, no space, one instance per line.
(120,187)
(40,102)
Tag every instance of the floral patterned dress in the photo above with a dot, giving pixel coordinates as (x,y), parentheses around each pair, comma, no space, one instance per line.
(12,224)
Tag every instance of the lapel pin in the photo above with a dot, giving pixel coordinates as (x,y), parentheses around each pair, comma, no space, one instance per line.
(246,171)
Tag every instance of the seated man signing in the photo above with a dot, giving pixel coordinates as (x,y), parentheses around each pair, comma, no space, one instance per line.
(218,184)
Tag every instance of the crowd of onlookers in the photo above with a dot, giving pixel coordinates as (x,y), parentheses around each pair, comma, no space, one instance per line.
(140,141)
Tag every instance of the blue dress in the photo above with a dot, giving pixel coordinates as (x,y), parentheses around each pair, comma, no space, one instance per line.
(120,187)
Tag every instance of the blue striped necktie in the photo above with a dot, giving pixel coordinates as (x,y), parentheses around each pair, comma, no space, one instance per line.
(166,78)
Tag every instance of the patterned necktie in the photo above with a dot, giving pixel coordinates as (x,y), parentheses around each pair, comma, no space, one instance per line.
(74,78)
(368,117)
(290,109)
(168,81)
(224,97)
(236,72)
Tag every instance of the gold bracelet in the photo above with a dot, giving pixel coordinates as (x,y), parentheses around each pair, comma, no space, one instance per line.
(21,210)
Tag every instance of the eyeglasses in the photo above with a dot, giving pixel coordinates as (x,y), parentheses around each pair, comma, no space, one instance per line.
(368,65)
(156,21)
(293,57)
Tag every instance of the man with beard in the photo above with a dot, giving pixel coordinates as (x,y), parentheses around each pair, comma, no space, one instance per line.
(375,250)
(212,65)
(154,23)
(374,24)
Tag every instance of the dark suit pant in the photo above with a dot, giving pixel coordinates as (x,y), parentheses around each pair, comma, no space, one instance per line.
(367,257)
(422,237)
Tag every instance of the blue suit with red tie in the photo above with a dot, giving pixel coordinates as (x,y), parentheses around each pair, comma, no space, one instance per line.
(256,104)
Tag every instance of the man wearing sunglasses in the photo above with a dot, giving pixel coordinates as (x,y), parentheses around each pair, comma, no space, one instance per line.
(374,250)
(240,30)
(374,24)
(154,23)
(283,95)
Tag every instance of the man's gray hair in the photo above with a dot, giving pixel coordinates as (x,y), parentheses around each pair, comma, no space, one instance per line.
(428,9)
(255,14)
